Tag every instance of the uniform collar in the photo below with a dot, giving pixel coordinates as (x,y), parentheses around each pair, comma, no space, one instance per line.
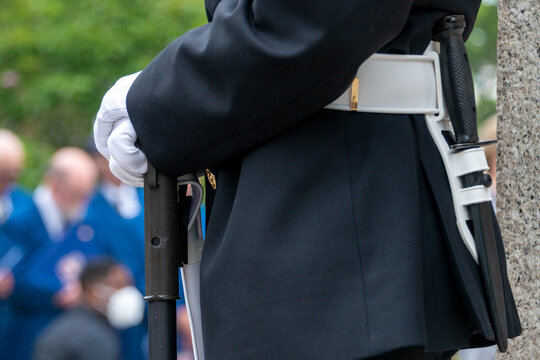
(50,213)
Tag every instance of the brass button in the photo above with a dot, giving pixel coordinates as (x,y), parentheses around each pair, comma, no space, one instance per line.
(354,94)
(211,179)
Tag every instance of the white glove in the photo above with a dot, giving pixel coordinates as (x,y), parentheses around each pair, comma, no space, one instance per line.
(115,136)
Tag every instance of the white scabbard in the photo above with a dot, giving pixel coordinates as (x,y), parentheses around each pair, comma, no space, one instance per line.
(190,280)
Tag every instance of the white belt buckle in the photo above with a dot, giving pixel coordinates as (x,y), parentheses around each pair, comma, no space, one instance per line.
(396,84)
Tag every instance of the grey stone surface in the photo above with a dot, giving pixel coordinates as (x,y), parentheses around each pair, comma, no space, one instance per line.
(518,176)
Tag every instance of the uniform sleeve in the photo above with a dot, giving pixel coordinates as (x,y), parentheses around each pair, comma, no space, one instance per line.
(258,68)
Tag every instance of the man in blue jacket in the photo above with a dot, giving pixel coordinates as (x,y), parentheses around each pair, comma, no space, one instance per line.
(55,244)
(331,234)
(12,198)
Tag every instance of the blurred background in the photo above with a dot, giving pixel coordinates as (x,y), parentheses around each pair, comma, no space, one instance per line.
(59,57)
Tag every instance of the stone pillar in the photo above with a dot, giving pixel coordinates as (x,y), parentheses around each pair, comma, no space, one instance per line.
(518,176)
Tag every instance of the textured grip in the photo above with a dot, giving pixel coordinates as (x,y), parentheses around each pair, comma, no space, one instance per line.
(457,78)
(162,243)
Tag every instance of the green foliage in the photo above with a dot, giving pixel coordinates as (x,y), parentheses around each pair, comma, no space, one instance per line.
(37,155)
(62,56)
(482,50)
(58,58)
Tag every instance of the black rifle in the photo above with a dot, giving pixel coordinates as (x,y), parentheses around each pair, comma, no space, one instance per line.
(459,97)
(165,222)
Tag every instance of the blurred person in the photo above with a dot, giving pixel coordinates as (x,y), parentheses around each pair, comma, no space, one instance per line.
(12,197)
(6,280)
(116,212)
(58,203)
(87,331)
(10,255)
(54,244)
(183,330)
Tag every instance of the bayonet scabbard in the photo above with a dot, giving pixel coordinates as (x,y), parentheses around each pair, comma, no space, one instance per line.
(459,97)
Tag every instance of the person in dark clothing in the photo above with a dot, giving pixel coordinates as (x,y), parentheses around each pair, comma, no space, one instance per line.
(84,333)
(331,234)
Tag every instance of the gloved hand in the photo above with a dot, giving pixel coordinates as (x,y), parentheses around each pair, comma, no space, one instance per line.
(115,136)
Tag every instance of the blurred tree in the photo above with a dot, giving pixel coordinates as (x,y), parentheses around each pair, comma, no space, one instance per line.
(482,49)
(58,58)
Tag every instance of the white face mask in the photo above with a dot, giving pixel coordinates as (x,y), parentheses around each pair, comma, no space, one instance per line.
(125,307)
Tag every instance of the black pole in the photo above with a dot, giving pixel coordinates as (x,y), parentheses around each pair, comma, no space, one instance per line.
(162,330)
(162,259)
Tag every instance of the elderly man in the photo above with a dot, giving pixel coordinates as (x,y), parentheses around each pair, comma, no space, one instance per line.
(12,198)
(54,244)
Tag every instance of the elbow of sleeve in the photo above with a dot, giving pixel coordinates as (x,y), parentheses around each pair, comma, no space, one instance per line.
(220,90)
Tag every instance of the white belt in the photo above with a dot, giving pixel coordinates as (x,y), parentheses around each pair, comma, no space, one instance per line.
(396,84)
(411,84)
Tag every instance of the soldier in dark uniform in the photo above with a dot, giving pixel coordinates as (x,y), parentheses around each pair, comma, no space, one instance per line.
(331,234)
